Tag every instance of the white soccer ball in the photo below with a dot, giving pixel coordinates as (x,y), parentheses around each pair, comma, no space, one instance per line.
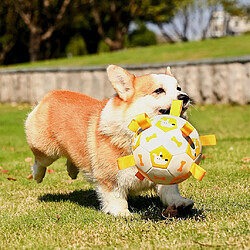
(165,152)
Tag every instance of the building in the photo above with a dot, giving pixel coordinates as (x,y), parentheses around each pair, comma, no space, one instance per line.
(222,24)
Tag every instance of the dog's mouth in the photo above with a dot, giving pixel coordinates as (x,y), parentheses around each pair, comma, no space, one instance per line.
(167,110)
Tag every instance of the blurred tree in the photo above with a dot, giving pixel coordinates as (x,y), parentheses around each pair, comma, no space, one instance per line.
(76,46)
(8,30)
(164,12)
(43,29)
(13,36)
(113,17)
(79,20)
(41,20)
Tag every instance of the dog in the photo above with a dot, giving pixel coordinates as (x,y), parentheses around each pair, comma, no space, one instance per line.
(93,134)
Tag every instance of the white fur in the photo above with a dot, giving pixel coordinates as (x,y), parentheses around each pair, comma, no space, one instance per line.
(114,202)
(116,122)
(169,84)
(170,196)
(112,119)
(119,121)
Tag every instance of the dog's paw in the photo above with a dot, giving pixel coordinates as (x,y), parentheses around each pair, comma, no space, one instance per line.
(124,213)
(38,173)
(72,170)
(170,211)
(73,175)
(118,212)
(38,178)
(113,203)
(182,203)
(181,208)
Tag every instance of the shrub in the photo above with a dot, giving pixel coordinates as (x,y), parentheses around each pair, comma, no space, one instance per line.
(142,37)
(76,46)
(103,47)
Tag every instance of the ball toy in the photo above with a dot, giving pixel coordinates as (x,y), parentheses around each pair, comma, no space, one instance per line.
(166,149)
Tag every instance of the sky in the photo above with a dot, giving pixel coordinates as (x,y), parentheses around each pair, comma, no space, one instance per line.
(197,22)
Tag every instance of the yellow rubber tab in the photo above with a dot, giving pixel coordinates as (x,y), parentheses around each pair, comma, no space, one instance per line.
(187,129)
(133,126)
(208,140)
(126,162)
(143,121)
(197,171)
(176,108)
(140,121)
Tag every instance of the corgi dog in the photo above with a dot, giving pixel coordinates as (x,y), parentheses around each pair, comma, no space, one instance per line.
(93,134)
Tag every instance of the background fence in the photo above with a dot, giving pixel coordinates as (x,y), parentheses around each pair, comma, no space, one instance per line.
(224,80)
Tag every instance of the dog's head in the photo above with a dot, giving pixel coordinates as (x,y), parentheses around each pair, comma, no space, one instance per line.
(151,94)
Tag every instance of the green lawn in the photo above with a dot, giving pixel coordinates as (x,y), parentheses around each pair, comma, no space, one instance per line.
(63,214)
(211,48)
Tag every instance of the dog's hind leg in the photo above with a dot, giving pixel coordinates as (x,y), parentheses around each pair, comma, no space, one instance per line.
(42,161)
(38,172)
(39,168)
(72,169)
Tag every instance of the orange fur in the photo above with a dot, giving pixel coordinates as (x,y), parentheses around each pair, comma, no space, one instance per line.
(143,86)
(63,120)
(69,125)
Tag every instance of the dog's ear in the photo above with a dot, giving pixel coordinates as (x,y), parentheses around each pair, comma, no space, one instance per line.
(168,71)
(122,81)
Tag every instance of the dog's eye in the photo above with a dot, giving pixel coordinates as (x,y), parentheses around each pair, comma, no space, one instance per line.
(159,91)
(178,88)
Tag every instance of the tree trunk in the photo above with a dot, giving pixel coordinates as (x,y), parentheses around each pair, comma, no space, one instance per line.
(31,19)
(6,48)
(34,45)
(118,42)
(184,39)
(116,45)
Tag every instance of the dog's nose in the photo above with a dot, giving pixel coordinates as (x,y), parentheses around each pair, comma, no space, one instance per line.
(185,98)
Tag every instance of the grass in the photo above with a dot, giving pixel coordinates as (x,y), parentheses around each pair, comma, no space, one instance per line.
(211,48)
(64,214)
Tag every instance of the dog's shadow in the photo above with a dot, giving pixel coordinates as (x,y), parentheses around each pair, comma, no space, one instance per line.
(85,198)
(149,208)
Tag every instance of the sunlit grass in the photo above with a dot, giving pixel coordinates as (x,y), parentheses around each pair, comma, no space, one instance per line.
(64,214)
(211,48)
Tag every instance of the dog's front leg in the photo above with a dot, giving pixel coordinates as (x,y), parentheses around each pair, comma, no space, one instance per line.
(170,196)
(113,202)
